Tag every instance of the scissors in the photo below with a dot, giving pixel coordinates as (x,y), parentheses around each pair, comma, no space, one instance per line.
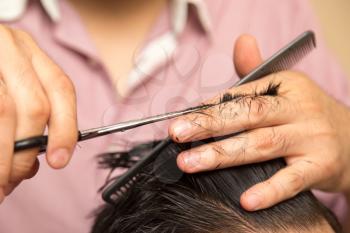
(282,60)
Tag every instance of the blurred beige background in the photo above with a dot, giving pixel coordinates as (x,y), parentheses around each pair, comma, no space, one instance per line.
(334,17)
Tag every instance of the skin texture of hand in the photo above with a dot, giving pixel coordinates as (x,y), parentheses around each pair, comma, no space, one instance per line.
(34,93)
(302,124)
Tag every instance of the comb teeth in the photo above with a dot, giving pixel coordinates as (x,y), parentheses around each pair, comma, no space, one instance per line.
(285,58)
(292,55)
(122,190)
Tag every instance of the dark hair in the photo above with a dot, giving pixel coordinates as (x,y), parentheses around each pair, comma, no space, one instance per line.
(204,202)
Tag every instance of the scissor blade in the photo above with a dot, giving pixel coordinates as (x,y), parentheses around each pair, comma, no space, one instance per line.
(96,132)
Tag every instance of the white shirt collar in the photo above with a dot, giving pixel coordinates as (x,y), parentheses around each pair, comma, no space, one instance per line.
(180,13)
(14,9)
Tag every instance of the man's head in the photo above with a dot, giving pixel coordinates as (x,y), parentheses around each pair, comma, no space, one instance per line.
(206,202)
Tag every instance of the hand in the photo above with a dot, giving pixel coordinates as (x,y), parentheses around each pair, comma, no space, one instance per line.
(301,123)
(34,92)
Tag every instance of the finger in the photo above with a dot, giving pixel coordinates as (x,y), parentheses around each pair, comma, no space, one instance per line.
(63,131)
(32,115)
(249,147)
(246,55)
(7,135)
(285,184)
(248,109)
(10,187)
(34,169)
(30,100)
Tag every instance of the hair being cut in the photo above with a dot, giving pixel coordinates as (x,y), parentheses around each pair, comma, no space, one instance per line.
(207,202)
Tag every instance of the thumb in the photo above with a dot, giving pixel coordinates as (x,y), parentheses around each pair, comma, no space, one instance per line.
(246,55)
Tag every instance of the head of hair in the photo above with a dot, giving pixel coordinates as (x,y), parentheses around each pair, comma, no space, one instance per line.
(207,202)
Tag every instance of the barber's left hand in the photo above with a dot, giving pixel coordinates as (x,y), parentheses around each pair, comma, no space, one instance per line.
(310,129)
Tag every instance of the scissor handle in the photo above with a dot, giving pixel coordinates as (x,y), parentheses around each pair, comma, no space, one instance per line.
(33,142)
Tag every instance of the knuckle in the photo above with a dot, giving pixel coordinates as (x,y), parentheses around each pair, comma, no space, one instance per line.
(273,189)
(4,174)
(34,170)
(288,187)
(217,150)
(313,107)
(6,104)
(331,166)
(205,124)
(321,128)
(257,110)
(325,128)
(39,109)
(24,73)
(213,156)
(271,139)
(65,84)
(295,182)
(21,170)
(266,141)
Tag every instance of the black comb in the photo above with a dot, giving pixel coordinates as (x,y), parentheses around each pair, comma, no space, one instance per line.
(284,59)
(115,190)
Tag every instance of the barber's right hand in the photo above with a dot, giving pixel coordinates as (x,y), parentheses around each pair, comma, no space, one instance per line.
(34,93)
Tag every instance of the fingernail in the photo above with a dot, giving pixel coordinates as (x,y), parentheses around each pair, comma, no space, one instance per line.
(59,158)
(182,129)
(254,200)
(191,159)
